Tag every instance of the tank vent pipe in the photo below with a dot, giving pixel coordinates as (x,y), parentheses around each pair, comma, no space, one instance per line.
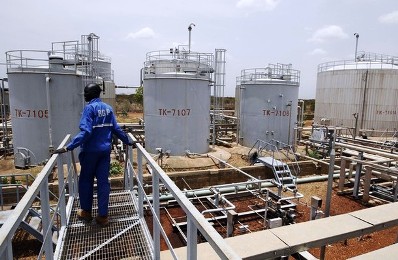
(50,131)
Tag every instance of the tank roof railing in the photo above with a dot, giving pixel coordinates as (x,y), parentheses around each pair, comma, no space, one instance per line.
(73,50)
(205,59)
(179,64)
(279,72)
(26,59)
(364,60)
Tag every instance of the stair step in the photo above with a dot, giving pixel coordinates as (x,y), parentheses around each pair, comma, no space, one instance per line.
(35,222)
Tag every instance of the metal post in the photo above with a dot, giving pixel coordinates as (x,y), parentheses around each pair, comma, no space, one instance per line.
(45,210)
(192,236)
(126,174)
(69,176)
(342,175)
(330,186)
(396,191)
(61,191)
(8,252)
(75,177)
(131,150)
(231,216)
(1,197)
(330,177)
(357,176)
(356,125)
(366,184)
(156,203)
(140,180)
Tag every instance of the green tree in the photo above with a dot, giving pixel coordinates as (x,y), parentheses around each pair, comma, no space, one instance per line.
(139,95)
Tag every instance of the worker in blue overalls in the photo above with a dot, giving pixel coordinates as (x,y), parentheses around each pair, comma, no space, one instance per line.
(97,125)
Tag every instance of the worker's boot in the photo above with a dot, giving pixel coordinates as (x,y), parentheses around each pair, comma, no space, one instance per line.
(102,220)
(84,215)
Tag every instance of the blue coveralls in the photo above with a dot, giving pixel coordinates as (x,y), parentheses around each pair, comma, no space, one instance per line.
(97,125)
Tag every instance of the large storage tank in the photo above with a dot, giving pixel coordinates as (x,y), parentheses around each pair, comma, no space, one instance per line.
(365,90)
(36,124)
(46,98)
(177,101)
(266,104)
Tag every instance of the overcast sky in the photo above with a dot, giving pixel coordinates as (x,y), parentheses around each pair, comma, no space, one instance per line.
(255,33)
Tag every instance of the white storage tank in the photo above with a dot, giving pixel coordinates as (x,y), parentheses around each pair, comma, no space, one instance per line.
(36,124)
(46,98)
(177,101)
(266,104)
(365,90)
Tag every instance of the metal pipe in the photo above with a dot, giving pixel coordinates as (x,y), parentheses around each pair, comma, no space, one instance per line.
(237,169)
(367,150)
(290,121)
(241,187)
(4,114)
(231,207)
(50,131)
(364,98)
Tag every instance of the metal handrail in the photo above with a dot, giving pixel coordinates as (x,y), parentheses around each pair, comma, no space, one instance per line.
(364,60)
(40,187)
(196,221)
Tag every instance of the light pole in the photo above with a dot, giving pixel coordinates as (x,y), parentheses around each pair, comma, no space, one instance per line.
(189,41)
(356,45)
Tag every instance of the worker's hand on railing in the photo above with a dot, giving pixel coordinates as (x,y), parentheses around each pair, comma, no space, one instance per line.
(133,143)
(61,150)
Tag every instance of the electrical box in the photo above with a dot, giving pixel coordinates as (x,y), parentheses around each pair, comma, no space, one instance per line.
(274,222)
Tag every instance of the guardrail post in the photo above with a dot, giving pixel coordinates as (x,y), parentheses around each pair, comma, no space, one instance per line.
(156,229)
(61,190)
(70,176)
(1,197)
(45,211)
(192,236)
(126,172)
(140,192)
(342,175)
(131,150)
(75,189)
(7,252)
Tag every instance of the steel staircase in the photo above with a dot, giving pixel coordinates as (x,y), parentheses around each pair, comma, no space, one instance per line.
(271,154)
(282,173)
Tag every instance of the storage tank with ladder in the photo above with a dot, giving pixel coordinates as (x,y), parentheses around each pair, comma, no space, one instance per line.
(266,104)
(46,96)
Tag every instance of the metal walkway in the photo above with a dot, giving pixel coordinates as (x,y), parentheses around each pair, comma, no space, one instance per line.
(124,237)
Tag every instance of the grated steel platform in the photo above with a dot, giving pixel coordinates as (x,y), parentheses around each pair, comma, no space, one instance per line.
(126,236)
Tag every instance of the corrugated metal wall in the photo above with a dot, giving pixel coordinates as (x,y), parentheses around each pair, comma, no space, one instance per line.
(372,93)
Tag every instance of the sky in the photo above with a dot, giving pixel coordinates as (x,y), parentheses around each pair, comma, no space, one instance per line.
(255,33)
